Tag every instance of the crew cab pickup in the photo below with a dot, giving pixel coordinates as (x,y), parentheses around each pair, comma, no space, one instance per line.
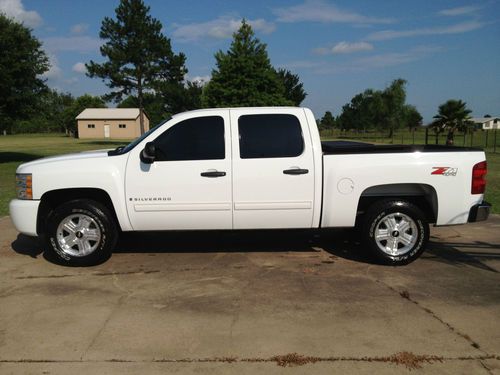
(248,168)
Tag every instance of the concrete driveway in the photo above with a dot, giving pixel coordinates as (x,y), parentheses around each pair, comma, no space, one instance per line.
(273,303)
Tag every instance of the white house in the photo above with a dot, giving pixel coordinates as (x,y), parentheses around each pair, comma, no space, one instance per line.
(486,123)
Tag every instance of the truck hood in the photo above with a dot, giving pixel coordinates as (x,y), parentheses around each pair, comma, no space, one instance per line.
(63,158)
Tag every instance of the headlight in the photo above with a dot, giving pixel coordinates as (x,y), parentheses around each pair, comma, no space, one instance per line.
(24,186)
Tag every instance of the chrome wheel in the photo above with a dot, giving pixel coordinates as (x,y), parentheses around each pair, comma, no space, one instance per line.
(396,234)
(78,235)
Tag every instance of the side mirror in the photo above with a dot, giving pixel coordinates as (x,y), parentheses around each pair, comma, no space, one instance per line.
(148,154)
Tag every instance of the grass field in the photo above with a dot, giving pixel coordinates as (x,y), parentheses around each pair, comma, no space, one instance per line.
(17,149)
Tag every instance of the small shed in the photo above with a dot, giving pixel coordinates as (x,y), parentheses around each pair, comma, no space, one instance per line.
(118,123)
(486,123)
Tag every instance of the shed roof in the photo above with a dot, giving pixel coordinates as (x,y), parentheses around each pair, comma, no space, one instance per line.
(109,114)
(482,120)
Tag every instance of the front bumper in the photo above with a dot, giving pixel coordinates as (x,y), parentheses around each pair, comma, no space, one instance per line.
(479,212)
(24,215)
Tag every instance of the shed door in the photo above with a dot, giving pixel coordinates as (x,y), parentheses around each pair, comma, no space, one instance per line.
(106,131)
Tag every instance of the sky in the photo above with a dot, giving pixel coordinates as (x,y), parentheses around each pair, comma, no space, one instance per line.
(445,49)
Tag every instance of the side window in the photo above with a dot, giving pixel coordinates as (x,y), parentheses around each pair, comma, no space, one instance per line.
(270,136)
(200,138)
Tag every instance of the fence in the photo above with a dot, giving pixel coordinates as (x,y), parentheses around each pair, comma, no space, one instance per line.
(489,140)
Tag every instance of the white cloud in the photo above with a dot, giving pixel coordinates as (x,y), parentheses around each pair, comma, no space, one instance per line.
(71,81)
(79,28)
(459,11)
(395,58)
(201,80)
(79,67)
(345,48)
(15,9)
(458,28)
(322,11)
(54,72)
(220,28)
(376,61)
(82,44)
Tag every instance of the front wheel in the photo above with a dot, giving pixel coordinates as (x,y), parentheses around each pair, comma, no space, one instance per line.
(395,231)
(81,233)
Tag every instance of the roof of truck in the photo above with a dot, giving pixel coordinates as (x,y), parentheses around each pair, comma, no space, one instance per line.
(238,108)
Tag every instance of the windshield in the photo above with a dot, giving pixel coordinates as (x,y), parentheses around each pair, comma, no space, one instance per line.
(124,149)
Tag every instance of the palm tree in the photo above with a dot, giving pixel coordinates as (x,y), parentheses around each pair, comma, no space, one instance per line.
(452,115)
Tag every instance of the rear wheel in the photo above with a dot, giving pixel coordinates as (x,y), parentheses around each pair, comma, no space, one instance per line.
(81,232)
(395,231)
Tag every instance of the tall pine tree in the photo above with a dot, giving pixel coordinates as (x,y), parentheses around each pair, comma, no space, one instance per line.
(294,89)
(139,56)
(244,75)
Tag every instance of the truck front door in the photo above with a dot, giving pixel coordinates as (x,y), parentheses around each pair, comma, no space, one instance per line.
(188,186)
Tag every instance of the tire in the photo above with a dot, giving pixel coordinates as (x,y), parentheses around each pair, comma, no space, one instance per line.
(395,231)
(80,232)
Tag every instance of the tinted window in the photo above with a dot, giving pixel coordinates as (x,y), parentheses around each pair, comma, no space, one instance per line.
(270,136)
(199,138)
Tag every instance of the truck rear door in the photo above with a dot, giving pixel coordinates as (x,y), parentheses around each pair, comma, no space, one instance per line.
(273,169)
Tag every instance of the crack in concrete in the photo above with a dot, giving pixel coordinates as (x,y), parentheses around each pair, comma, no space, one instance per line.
(83,274)
(488,370)
(104,324)
(409,360)
(126,295)
(406,295)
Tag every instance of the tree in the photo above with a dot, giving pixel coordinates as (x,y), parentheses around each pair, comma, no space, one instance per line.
(451,116)
(393,98)
(183,97)
(163,103)
(244,76)
(365,111)
(53,111)
(413,118)
(22,62)
(153,106)
(139,56)
(78,105)
(294,89)
(327,121)
(380,109)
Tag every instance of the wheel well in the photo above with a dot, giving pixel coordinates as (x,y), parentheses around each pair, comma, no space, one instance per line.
(422,195)
(51,199)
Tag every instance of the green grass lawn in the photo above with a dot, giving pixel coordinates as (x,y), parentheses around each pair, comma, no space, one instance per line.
(17,149)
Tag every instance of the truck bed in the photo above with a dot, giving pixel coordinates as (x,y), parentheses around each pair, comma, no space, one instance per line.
(351,147)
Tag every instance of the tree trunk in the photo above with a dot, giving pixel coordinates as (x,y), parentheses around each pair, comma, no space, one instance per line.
(141,109)
(449,138)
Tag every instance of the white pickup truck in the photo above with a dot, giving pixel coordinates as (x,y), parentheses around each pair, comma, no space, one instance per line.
(248,168)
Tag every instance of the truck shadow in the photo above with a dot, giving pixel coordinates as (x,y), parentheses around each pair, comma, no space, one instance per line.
(339,243)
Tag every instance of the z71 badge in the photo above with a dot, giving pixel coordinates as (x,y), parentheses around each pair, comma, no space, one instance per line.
(445,171)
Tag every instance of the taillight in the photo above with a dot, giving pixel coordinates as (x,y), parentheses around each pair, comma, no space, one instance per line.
(479,178)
